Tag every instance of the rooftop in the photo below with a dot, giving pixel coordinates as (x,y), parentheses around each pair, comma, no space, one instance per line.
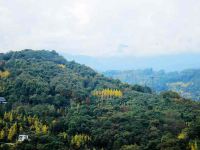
(2,99)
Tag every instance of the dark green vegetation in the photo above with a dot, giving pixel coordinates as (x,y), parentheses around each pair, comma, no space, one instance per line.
(51,100)
(186,83)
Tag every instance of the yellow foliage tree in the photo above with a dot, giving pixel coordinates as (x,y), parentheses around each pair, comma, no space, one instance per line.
(2,134)
(4,74)
(107,93)
(11,117)
(12,132)
(37,127)
(8,116)
(193,145)
(29,120)
(80,140)
(63,135)
(182,136)
(61,66)
(44,129)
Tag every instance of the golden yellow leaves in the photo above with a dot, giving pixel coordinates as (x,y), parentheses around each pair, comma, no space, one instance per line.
(4,74)
(182,136)
(80,139)
(61,66)
(193,145)
(15,125)
(37,125)
(12,132)
(107,93)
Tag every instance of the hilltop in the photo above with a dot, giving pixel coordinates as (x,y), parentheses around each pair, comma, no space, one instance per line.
(63,105)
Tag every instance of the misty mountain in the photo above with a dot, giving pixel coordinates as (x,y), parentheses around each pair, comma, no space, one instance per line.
(176,62)
(186,82)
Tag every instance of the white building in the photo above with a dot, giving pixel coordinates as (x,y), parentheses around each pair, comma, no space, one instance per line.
(21,138)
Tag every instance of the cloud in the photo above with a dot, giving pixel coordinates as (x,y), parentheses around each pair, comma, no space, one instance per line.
(101,27)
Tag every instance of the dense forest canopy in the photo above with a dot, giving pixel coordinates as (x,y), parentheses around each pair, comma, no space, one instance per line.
(63,105)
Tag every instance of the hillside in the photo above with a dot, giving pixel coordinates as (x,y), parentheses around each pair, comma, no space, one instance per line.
(186,82)
(64,105)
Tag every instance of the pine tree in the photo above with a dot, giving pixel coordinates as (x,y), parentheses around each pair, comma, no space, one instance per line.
(80,140)
(37,127)
(29,120)
(44,129)
(21,129)
(10,117)
(12,132)
(2,134)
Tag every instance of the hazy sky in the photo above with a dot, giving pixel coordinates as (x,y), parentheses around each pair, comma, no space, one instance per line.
(101,27)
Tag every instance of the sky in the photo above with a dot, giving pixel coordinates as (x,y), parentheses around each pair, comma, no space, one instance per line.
(101,27)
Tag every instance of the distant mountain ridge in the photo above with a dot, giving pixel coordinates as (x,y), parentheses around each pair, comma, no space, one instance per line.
(186,82)
(176,62)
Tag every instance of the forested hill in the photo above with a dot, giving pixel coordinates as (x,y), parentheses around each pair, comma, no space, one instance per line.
(63,105)
(186,82)
(45,77)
